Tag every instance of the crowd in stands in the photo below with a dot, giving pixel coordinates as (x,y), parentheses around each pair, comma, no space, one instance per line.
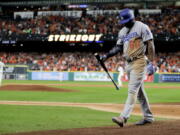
(164,23)
(83,61)
(167,62)
(167,24)
(59,25)
(160,24)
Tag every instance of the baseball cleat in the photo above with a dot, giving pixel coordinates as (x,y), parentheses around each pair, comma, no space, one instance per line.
(119,120)
(143,122)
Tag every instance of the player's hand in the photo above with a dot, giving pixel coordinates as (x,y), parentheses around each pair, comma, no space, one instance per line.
(103,58)
(150,69)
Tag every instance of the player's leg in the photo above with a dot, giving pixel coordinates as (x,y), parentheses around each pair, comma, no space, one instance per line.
(120,120)
(145,107)
(135,81)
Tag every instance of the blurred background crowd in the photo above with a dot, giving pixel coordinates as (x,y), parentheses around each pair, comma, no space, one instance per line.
(78,61)
(164,23)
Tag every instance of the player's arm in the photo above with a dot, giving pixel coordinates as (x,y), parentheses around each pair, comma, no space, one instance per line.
(150,55)
(114,50)
(148,41)
(118,48)
(150,50)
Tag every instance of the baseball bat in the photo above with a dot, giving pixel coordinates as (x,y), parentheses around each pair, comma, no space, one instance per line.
(105,69)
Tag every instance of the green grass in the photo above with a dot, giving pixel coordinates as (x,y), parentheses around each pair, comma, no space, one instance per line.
(75,82)
(91,94)
(15,118)
(36,118)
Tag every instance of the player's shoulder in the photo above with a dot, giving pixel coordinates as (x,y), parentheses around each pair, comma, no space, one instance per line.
(141,24)
(122,31)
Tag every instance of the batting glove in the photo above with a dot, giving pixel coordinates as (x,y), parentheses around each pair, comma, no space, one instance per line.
(103,58)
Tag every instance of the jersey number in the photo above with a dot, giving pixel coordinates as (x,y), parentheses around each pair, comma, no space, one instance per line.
(134,44)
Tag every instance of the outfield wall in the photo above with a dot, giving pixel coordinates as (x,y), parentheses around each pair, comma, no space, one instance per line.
(71,76)
(167,77)
(79,76)
(20,72)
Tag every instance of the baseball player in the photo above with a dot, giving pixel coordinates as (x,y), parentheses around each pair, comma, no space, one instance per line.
(121,73)
(136,39)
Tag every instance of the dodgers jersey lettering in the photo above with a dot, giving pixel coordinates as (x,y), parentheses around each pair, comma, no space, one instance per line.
(133,42)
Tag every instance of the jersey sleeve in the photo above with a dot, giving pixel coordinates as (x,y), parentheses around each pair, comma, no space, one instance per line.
(146,33)
(119,41)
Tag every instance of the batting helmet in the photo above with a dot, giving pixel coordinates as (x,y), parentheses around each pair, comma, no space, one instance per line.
(126,16)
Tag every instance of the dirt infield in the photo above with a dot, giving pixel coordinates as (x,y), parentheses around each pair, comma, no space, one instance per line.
(16,87)
(157,128)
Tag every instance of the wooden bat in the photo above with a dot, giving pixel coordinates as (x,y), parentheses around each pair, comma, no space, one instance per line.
(105,69)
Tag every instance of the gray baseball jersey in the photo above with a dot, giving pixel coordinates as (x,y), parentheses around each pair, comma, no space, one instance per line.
(133,41)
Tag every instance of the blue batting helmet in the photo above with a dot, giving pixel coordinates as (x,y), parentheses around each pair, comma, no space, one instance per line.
(126,16)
